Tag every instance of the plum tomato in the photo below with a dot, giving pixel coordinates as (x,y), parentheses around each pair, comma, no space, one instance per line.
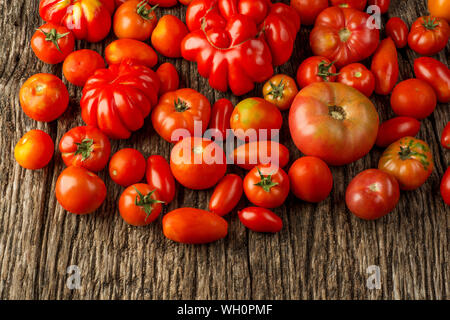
(445,187)
(260,220)
(160,178)
(445,137)
(397,29)
(169,78)
(396,128)
(226,195)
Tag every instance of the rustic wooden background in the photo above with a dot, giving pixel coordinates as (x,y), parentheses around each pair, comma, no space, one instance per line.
(322,252)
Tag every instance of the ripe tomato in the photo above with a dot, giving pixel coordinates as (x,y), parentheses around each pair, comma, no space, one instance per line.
(160,178)
(439,8)
(226,195)
(354,4)
(163,3)
(372,194)
(445,138)
(397,29)
(280,90)
(334,122)
(167,36)
(85,147)
(413,98)
(382,4)
(186,2)
(445,187)
(168,76)
(309,9)
(315,69)
(177,112)
(249,155)
(194,226)
(385,67)
(260,220)
(436,74)
(124,49)
(34,150)
(359,77)
(429,35)
(197,163)
(220,119)
(79,191)
(140,205)
(409,160)
(44,97)
(134,19)
(396,128)
(127,167)
(80,65)
(52,43)
(310,179)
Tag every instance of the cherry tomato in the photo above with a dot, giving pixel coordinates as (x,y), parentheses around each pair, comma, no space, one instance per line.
(309,9)
(315,69)
(220,119)
(127,167)
(413,98)
(226,195)
(428,35)
(80,191)
(167,36)
(160,178)
(168,76)
(445,138)
(249,155)
(52,43)
(445,187)
(80,65)
(280,90)
(359,77)
(385,67)
(135,19)
(439,8)
(122,49)
(382,4)
(396,128)
(397,29)
(355,4)
(34,150)
(260,220)
(372,194)
(436,74)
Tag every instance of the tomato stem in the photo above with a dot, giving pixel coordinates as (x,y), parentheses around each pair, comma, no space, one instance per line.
(337,112)
(54,36)
(266,181)
(145,202)
(344,34)
(85,148)
(430,23)
(180,105)
(324,70)
(143,11)
(277,90)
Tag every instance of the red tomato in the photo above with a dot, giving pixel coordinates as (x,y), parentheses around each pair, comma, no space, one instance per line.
(354,4)
(359,77)
(80,65)
(439,8)
(34,150)
(129,49)
(397,29)
(280,90)
(396,128)
(315,69)
(445,138)
(168,76)
(44,97)
(309,9)
(445,187)
(260,220)
(194,226)
(163,3)
(134,19)
(52,43)
(249,155)
(382,4)
(226,195)
(127,167)
(80,191)
(167,36)
(220,119)
(85,147)
(436,74)
(428,35)
(160,178)
(372,194)
(385,67)
(186,2)
(413,98)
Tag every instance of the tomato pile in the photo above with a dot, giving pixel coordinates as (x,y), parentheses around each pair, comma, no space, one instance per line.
(235,44)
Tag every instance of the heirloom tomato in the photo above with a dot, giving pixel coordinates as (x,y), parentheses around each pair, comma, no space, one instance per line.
(396,128)
(382,4)
(309,9)
(354,4)
(280,90)
(413,98)
(429,35)
(34,150)
(160,178)
(134,19)
(436,74)
(445,187)
(129,49)
(127,167)
(359,77)
(80,65)
(397,30)
(52,43)
(226,195)
(249,155)
(439,8)
(168,76)
(140,205)
(167,36)
(385,67)
(260,220)
(220,119)
(445,137)
(316,69)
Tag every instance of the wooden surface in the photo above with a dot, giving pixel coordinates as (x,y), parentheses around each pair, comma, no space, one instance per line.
(322,252)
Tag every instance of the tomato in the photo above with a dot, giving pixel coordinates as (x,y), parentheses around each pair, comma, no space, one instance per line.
(226,195)
(177,113)
(310,179)
(398,31)
(44,97)
(343,35)
(260,220)
(160,178)
(413,98)
(163,3)
(168,76)
(255,118)
(134,19)
(85,147)
(266,186)
(436,74)
(372,194)
(385,67)
(354,4)
(409,160)
(333,122)
(445,187)
(123,49)
(309,9)
(249,155)
(139,205)
(220,119)
(445,138)
(79,191)
(127,167)
(359,77)
(167,36)
(396,128)
(439,8)
(280,90)
(34,150)
(382,4)
(186,2)
(428,35)
(52,43)
(80,65)
(315,69)
(197,163)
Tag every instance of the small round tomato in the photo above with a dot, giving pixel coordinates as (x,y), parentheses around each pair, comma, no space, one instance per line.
(160,178)
(260,220)
(249,155)
(34,150)
(439,8)
(80,191)
(310,179)
(382,4)
(80,65)
(167,36)
(355,4)
(86,147)
(396,128)
(139,205)
(397,29)
(44,97)
(124,49)
(359,77)
(445,186)
(135,19)
(309,9)
(226,195)
(127,167)
(315,69)
(372,194)
(413,98)
(52,43)
(436,74)
(220,119)
(428,35)
(409,160)
(445,138)
(280,90)
(169,78)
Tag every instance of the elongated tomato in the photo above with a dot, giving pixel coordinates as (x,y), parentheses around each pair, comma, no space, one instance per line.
(220,119)
(159,177)
(138,51)
(226,195)
(260,220)
(385,67)
(396,128)
(436,74)
(254,153)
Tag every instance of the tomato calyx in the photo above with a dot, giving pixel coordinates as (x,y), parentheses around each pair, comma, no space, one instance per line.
(337,112)
(406,153)
(430,23)
(145,202)
(344,34)
(266,181)
(277,89)
(54,36)
(324,70)
(180,105)
(85,148)
(142,10)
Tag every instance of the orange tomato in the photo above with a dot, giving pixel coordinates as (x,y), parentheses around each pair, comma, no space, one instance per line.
(167,36)
(168,76)
(135,19)
(34,150)
(439,8)
(140,52)
(80,65)
(280,90)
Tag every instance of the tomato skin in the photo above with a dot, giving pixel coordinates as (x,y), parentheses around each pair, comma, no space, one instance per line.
(220,119)
(383,4)
(260,220)
(249,155)
(34,150)
(194,226)
(436,74)
(134,20)
(280,90)
(167,36)
(445,187)
(127,167)
(385,67)
(397,29)
(310,179)
(226,195)
(44,97)
(372,194)
(445,138)
(124,49)
(428,35)
(309,9)
(315,69)
(439,8)
(395,129)
(356,75)
(80,65)
(354,4)
(80,191)
(44,39)
(169,78)
(413,98)
(160,178)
